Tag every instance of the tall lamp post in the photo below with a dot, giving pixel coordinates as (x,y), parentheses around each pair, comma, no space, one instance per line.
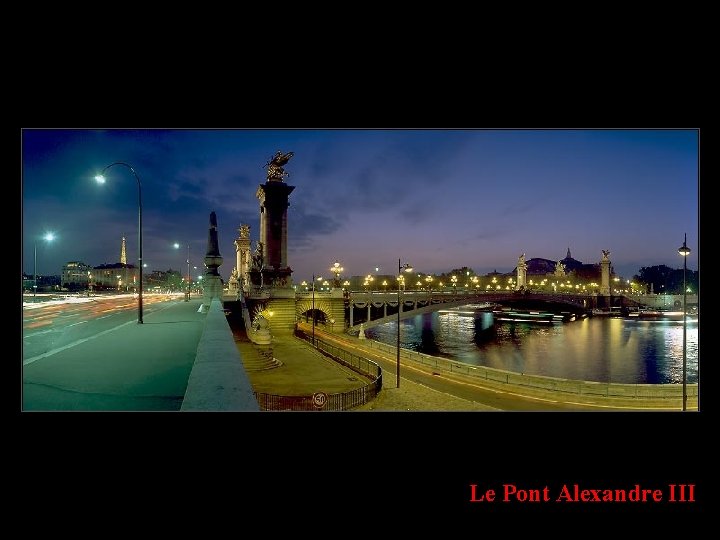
(684,251)
(406,268)
(48,237)
(187,292)
(101,180)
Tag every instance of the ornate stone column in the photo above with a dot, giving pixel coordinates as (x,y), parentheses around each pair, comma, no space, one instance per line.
(242,252)
(212,283)
(521,273)
(605,273)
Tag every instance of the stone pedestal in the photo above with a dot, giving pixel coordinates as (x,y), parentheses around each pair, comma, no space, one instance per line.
(212,282)
(273,196)
(259,333)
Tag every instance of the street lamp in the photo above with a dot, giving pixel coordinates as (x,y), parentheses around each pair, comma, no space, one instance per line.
(685,251)
(406,268)
(48,237)
(187,293)
(337,270)
(101,180)
(319,278)
(429,279)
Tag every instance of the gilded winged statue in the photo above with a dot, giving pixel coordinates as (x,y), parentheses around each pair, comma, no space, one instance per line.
(275,171)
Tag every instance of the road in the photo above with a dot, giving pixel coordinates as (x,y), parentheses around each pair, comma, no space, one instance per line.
(51,325)
(94,356)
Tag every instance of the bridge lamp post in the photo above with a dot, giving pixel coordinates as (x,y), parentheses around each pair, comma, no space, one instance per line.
(100,178)
(684,251)
(48,237)
(187,293)
(407,268)
(454,282)
(337,270)
(384,284)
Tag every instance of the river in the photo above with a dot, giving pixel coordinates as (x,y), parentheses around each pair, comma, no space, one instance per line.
(594,349)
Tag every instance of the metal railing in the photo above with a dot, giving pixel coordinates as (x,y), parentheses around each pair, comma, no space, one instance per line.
(341,401)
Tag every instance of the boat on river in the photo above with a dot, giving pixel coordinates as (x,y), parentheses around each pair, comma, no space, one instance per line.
(659,315)
(517,315)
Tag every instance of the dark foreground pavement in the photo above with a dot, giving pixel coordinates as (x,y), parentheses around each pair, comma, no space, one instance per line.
(131,367)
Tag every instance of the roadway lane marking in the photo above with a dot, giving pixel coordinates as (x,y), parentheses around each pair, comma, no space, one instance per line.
(103,317)
(38,333)
(73,344)
(76,343)
(75,324)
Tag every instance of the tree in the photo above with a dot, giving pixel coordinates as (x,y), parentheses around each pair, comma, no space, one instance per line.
(667,280)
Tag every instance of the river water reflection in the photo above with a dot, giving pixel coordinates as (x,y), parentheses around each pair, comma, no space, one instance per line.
(594,349)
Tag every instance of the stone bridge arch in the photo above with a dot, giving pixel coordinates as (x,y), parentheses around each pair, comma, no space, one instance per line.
(304,308)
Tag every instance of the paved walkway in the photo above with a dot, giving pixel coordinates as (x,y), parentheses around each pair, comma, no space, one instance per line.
(131,367)
(306,371)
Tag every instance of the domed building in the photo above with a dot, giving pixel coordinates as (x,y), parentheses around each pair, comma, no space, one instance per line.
(539,268)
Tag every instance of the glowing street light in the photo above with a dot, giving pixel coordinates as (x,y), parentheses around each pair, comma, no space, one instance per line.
(187,293)
(100,178)
(407,268)
(429,280)
(685,251)
(337,270)
(48,237)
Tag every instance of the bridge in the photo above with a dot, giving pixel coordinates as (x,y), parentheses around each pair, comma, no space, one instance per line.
(340,310)
(377,307)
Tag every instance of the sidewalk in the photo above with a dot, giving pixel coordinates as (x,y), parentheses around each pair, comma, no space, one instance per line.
(133,367)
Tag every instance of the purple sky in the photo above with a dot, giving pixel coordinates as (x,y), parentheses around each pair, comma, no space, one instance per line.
(438,199)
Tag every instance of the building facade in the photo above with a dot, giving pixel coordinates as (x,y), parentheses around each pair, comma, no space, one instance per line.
(75,276)
(116,276)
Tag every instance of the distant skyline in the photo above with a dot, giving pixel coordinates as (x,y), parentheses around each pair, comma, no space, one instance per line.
(438,199)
